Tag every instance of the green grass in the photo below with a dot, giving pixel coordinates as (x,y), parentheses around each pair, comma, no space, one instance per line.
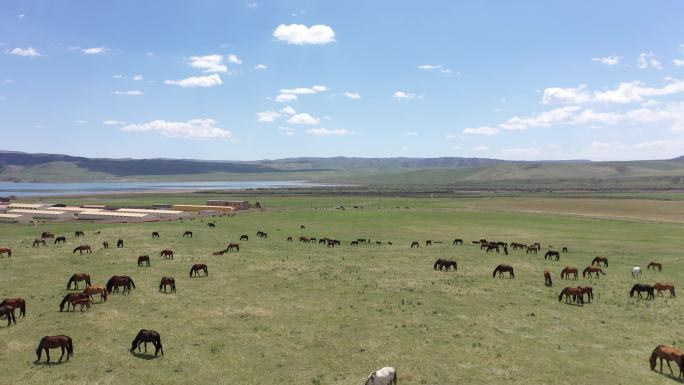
(291,313)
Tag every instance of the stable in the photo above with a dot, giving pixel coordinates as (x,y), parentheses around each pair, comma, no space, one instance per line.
(42,214)
(13,218)
(110,215)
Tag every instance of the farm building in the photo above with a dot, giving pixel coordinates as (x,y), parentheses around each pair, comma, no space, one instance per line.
(111,215)
(29,206)
(70,209)
(196,208)
(14,218)
(158,213)
(42,214)
(236,205)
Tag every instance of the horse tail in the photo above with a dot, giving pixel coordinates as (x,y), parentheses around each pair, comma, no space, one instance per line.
(70,346)
(61,305)
(22,307)
(673,294)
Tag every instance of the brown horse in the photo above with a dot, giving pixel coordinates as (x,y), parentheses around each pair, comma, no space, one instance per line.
(588,290)
(573,293)
(220,252)
(564,249)
(83,248)
(599,260)
(76,278)
(289,239)
(501,269)
(119,244)
(668,354)
(457,241)
(547,278)
(492,246)
(69,298)
(233,246)
(19,303)
(144,260)
(655,264)
(211,225)
(551,253)
(592,270)
(145,336)
(166,254)
(84,302)
(59,240)
(244,237)
(118,281)
(196,268)
(96,289)
(659,287)
(415,244)
(47,234)
(565,274)
(445,264)
(53,342)
(105,244)
(187,234)
(38,242)
(155,234)
(531,249)
(79,234)
(428,242)
(8,311)
(5,250)
(167,281)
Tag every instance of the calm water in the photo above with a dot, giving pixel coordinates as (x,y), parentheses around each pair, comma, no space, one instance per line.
(87,188)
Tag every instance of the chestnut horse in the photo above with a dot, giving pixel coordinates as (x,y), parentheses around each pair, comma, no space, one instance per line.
(565,274)
(640,288)
(592,270)
(19,303)
(573,292)
(83,248)
(655,264)
(501,269)
(53,342)
(5,250)
(445,264)
(588,290)
(69,299)
(659,287)
(145,336)
(167,281)
(96,289)
(120,281)
(668,354)
(8,311)
(196,268)
(166,254)
(599,260)
(84,302)
(144,260)
(547,278)
(76,278)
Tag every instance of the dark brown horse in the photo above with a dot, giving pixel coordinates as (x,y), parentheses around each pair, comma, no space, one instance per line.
(60,239)
(53,342)
(445,264)
(592,270)
(5,250)
(641,288)
(118,281)
(83,248)
(457,241)
(220,252)
(167,281)
(565,274)
(166,254)
(244,237)
(16,303)
(8,311)
(76,278)
(492,246)
(354,243)
(145,336)
(119,244)
(47,235)
(547,278)
(588,290)
(196,268)
(261,234)
(233,246)
(79,234)
(599,260)
(572,293)
(428,242)
(144,260)
(96,289)
(551,253)
(655,264)
(211,225)
(415,244)
(501,269)
(155,234)
(659,287)
(668,354)
(531,249)
(187,234)
(564,249)
(289,239)
(105,244)
(69,299)
(38,242)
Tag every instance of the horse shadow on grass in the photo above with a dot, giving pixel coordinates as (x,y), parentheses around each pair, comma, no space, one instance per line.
(671,377)
(145,356)
(48,364)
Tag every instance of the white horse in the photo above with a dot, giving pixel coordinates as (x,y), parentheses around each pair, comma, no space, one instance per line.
(384,376)
(636,271)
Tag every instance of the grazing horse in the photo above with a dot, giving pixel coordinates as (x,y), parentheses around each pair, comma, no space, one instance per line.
(501,269)
(61,239)
(244,237)
(415,244)
(119,244)
(144,259)
(565,274)
(457,241)
(599,260)
(18,303)
(167,281)
(196,268)
(83,248)
(166,254)
(574,293)
(640,288)
(592,270)
(659,287)
(233,246)
(145,336)
(636,272)
(384,376)
(668,354)
(354,243)
(564,249)
(118,281)
(47,235)
(220,252)
(105,244)
(551,253)
(79,234)
(155,234)
(84,302)
(492,246)
(655,264)
(69,299)
(76,278)
(516,245)
(96,289)
(187,234)
(547,278)
(445,264)
(289,239)
(588,290)
(261,234)
(53,342)
(428,242)
(5,250)
(8,311)
(211,225)
(531,249)
(38,242)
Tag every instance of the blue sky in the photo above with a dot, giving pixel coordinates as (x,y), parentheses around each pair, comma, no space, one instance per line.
(264,79)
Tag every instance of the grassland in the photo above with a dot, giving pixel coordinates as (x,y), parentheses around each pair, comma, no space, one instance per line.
(290,313)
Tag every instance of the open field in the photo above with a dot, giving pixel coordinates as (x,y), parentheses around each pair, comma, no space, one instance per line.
(292,313)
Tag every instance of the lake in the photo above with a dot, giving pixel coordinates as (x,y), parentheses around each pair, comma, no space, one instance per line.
(87,188)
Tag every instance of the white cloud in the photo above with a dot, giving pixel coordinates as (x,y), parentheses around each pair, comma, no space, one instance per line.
(267,116)
(484,130)
(21,15)
(192,129)
(287,131)
(352,95)
(625,92)
(234,59)
(113,122)
(252,4)
(26,52)
(678,62)
(138,77)
(304,90)
(649,60)
(327,132)
(403,95)
(94,50)
(436,67)
(197,81)
(285,98)
(129,93)
(301,34)
(288,110)
(577,95)
(260,67)
(119,76)
(608,60)
(481,148)
(303,118)
(208,63)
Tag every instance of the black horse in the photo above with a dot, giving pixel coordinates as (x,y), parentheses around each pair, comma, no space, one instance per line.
(640,288)
(145,336)
(445,264)
(59,240)
(144,260)
(8,311)
(155,234)
(551,253)
(119,244)
(457,241)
